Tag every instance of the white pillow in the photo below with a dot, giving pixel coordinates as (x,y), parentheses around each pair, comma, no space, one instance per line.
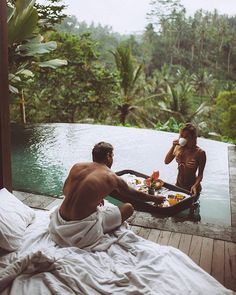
(14,218)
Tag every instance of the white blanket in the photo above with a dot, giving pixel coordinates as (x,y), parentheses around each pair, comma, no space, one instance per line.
(130,265)
(85,234)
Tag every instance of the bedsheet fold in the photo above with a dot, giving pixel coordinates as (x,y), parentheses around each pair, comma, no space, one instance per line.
(122,263)
(130,265)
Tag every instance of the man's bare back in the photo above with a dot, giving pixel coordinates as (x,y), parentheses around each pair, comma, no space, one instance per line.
(89,183)
(85,189)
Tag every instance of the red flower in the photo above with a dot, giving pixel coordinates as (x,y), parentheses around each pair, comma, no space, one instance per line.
(148,181)
(152,181)
(155,175)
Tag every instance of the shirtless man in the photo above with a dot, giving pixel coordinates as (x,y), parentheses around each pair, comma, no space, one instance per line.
(191,159)
(89,183)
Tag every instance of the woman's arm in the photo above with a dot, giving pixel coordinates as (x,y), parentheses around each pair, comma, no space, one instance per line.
(202,163)
(170,155)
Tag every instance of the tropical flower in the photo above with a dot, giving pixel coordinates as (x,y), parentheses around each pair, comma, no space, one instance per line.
(153,181)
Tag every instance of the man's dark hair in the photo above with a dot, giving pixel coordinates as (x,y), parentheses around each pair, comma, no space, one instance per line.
(101,150)
(191,129)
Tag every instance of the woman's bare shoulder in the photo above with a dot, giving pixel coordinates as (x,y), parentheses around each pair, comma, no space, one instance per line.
(201,153)
(200,150)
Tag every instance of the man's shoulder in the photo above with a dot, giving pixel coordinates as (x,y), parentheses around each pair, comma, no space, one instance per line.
(79,166)
(82,164)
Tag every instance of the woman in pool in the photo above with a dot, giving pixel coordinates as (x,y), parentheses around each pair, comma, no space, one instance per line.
(191,159)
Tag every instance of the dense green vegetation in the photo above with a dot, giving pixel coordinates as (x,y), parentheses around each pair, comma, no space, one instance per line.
(180,69)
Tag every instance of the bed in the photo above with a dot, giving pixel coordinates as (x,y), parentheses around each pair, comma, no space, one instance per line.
(122,264)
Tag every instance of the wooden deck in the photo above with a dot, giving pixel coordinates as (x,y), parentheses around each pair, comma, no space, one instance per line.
(217,257)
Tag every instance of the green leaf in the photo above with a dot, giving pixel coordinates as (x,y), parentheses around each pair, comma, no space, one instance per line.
(32,48)
(13,78)
(10,13)
(13,89)
(53,63)
(26,73)
(23,4)
(23,22)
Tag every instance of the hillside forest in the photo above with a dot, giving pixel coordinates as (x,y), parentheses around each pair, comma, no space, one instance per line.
(180,69)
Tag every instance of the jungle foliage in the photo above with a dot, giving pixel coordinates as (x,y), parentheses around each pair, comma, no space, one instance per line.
(180,69)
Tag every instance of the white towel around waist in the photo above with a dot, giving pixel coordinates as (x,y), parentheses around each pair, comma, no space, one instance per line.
(84,233)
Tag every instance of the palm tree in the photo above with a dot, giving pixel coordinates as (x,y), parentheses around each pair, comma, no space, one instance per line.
(177,90)
(203,83)
(129,75)
(176,100)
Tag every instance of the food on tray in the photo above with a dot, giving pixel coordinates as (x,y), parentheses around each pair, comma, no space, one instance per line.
(172,201)
(143,189)
(171,196)
(180,197)
(159,184)
(142,184)
(164,204)
(138,181)
(133,181)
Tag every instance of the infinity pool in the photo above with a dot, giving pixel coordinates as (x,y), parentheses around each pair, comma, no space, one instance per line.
(42,155)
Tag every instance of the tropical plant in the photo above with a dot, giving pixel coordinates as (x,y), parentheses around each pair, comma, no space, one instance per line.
(129,74)
(26,44)
(226,113)
(171,125)
(50,14)
(203,83)
(176,94)
(86,92)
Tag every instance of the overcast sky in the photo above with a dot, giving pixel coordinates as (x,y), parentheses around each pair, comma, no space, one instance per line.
(127,16)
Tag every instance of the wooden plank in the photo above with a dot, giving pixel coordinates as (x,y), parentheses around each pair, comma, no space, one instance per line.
(195,249)
(174,239)
(144,232)
(218,259)
(206,254)
(154,235)
(5,134)
(184,243)
(164,237)
(20,195)
(230,265)
(135,229)
(54,203)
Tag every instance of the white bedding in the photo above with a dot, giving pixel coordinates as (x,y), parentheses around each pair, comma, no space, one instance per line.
(131,265)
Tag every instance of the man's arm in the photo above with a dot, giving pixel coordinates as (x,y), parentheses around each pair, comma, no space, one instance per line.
(126,190)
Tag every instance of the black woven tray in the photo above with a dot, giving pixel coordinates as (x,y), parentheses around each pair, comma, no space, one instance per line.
(143,206)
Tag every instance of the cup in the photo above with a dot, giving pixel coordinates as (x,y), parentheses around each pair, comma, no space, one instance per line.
(182,141)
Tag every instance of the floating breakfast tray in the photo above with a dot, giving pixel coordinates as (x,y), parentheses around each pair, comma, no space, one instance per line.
(168,190)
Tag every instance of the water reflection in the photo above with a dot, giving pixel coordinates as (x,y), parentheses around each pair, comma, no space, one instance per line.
(191,214)
(42,155)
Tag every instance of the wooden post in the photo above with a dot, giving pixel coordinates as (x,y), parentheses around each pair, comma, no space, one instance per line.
(5,142)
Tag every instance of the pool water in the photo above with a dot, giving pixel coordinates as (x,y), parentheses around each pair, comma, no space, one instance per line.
(42,155)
